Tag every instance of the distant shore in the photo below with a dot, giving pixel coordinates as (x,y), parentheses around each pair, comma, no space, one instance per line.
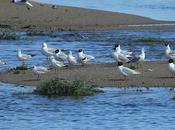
(42,17)
(154,74)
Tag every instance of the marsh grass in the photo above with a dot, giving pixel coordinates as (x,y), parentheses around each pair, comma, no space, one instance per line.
(150,39)
(18,69)
(9,36)
(132,67)
(57,87)
(173,98)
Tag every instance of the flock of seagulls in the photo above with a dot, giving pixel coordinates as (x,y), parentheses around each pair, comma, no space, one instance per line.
(57,58)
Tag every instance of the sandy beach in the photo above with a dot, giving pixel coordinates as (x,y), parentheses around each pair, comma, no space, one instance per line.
(103,75)
(43,17)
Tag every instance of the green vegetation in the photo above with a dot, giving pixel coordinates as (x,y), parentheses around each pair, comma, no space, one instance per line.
(132,67)
(36,33)
(18,69)
(173,97)
(57,87)
(150,39)
(9,36)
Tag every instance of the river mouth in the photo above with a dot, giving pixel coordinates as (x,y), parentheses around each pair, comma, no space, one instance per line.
(118,108)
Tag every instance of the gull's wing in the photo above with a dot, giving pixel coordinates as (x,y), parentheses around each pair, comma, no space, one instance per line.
(26,56)
(123,58)
(42,68)
(89,57)
(130,71)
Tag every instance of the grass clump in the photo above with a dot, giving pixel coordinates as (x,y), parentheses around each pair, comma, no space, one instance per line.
(132,67)
(149,39)
(57,87)
(18,69)
(173,98)
(9,36)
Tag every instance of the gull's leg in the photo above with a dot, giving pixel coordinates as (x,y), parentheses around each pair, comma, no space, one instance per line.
(38,77)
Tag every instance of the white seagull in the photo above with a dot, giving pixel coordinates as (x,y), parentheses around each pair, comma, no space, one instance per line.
(120,57)
(39,70)
(55,63)
(168,52)
(47,51)
(125,52)
(139,58)
(71,59)
(84,58)
(59,55)
(23,2)
(171,66)
(125,71)
(23,57)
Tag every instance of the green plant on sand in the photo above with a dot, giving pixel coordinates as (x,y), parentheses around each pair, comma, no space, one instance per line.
(150,39)
(132,67)
(18,69)
(57,87)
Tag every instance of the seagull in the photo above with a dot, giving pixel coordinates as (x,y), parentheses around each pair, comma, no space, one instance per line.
(55,63)
(119,57)
(125,71)
(47,51)
(59,55)
(23,2)
(125,52)
(171,66)
(39,70)
(84,58)
(139,58)
(23,57)
(71,59)
(168,52)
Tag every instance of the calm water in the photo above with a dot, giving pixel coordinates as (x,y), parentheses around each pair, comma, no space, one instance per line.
(156,9)
(97,43)
(116,109)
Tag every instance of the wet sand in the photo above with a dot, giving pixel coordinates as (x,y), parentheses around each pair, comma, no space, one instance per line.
(42,17)
(104,75)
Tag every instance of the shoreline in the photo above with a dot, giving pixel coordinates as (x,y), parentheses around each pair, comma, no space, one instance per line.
(101,75)
(44,18)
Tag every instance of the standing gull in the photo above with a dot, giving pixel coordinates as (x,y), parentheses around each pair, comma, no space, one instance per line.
(120,57)
(47,51)
(55,63)
(60,55)
(171,66)
(84,58)
(71,59)
(125,71)
(125,52)
(39,70)
(168,52)
(23,57)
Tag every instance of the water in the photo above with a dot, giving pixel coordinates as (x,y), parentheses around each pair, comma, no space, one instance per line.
(96,43)
(156,9)
(115,109)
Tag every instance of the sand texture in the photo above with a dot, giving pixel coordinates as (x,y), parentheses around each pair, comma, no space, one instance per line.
(43,17)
